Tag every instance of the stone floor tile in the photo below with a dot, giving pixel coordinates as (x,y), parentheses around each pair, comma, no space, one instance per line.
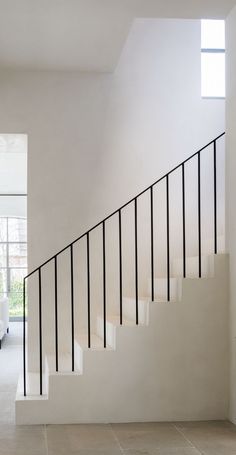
(141,426)
(159,437)
(173,451)
(23,440)
(211,438)
(76,437)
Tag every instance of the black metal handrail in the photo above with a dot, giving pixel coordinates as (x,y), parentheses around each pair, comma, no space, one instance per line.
(103,225)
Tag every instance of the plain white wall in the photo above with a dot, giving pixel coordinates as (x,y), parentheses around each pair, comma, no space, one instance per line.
(63,115)
(95,140)
(230,193)
(156,115)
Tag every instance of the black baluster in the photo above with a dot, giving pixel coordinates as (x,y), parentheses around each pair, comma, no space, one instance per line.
(56,313)
(120,263)
(168,237)
(152,248)
(199,217)
(24,340)
(88,291)
(72,309)
(215,201)
(184,224)
(104,285)
(40,335)
(136,257)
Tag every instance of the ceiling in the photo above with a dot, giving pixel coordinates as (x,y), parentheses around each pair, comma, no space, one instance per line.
(86,35)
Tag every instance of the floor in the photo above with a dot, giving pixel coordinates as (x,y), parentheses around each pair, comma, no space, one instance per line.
(186,438)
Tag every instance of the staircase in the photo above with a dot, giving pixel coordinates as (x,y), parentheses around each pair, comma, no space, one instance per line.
(150,342)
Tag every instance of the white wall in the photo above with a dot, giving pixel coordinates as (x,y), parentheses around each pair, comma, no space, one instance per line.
(230,192)
(156,114)
(156,118)
(97,139)
(63,115)
(87,132)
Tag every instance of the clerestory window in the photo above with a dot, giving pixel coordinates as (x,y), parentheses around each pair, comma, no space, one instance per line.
(213,58)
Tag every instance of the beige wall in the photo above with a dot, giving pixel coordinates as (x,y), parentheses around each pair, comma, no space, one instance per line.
(97,139)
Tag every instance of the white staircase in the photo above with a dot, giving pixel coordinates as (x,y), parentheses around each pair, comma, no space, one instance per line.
(129,322)
(172,366)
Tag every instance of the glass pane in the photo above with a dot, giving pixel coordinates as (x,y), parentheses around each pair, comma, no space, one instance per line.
(13,163)
(3,282)
(3,229)
(213,75)
(18,255)
(13,143)
(17,230)
(3,255)
(15,304)
(213,34)
(16,291)
(13,206)
(16,279)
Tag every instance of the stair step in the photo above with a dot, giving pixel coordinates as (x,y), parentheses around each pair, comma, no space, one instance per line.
(160,288)
(33,387)
(64,364)
(192,266)
(112,322)
(97,343)
(129,310)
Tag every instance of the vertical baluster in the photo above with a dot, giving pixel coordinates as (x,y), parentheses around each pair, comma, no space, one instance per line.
(56,313)
(215,201)
(104,284)
(136,257)
(168,237)
(152,248)
(199,217)
(120,263)
(72,309)
(40,335)
(24,339)
(88,291)
(184,224)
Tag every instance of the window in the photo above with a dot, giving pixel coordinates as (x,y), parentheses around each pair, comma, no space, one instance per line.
(13,261)
(13,223)
(213,58)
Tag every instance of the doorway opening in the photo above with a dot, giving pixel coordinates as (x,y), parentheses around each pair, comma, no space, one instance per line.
(13,220)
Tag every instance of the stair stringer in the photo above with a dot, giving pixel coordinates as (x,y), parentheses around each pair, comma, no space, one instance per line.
(175,368)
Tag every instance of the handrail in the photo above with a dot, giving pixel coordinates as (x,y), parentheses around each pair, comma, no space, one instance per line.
(123,206)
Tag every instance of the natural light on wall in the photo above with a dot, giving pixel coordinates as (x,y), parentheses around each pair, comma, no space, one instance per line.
(213,58)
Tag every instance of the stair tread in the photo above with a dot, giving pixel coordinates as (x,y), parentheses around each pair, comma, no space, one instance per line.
(32,387)
(64,364)
(97,342)
(158,299)
(115,320)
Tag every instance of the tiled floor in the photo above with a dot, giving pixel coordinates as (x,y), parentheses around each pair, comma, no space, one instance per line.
(208,438)
(186,438)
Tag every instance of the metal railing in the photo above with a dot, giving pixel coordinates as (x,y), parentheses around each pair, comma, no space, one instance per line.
(102,224)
